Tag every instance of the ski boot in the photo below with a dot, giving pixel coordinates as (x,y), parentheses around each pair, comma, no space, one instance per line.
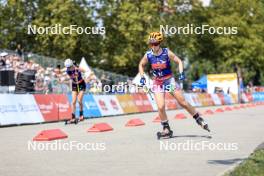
(73,120)
(200,121)
(81,118)
(167,132)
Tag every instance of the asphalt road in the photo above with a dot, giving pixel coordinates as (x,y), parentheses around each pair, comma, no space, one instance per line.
(135,151)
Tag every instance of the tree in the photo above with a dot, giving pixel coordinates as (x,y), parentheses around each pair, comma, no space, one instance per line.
(17,15)
(246,48)
(128,24)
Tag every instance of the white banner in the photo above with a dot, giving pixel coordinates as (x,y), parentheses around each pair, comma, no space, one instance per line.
(192,99)
(19,109)
(216,99)
(222,83)
(108,105)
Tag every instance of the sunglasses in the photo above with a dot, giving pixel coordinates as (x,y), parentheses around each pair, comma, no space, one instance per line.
(154,44)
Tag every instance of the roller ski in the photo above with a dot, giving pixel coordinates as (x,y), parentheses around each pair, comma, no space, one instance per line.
(167,132)
(200,121)
(73,120)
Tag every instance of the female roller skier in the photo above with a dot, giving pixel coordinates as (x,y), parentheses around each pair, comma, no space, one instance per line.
(78,89)
(159,58)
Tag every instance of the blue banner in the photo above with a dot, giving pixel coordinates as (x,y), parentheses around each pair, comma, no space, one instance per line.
(227,99)
(258,96)
(90,108)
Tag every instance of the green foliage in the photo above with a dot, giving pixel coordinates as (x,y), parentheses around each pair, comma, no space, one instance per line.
(245,49)
(253,166)
(127,26)
(17,15)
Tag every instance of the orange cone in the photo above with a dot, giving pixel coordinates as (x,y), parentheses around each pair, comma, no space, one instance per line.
(100,127)
(208,112)
(236,107)
(135,122)
(157,119)
(248,105)
(219,110)
(48,135)
(242,106)
(228,108)
(180,116)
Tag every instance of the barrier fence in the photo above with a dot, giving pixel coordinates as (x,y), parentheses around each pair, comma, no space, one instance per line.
(18,109)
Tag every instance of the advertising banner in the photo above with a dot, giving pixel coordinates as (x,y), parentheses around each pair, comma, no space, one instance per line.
(63,105)
(249,97)
(193,99)
(19,109)
(216,99)
(244,98)
(47,107)
(142,102)
(258,96)
(222,98)
(108,105)
(152,101)
(90,108)
(170,102)
(53,107)
(227,99)
(205,99)
(222,83)
(127,103)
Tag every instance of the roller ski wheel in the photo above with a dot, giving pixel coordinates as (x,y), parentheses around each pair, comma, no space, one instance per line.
(200,121)
(71,121)
(165,134)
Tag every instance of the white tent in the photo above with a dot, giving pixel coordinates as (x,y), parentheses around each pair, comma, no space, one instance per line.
(88,70)
(3,54)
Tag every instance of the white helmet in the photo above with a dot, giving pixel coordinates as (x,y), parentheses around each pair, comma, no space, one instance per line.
(68,63)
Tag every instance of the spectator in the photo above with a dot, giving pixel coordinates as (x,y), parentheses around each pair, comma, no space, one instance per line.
(19,50)
(3,60)
(2,63)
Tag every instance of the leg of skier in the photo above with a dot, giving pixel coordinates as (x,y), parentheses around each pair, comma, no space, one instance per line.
(80,101)
(160,100)
(181,100)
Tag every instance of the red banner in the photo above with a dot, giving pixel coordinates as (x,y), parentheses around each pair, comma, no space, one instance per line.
(170,101)
(142,102)
(249,97)
(63,105)
(222,98)
(53,107)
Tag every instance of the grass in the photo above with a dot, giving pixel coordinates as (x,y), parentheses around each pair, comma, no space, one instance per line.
(253,166)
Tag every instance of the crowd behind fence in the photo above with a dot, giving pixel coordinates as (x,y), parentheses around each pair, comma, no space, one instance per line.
(50,78)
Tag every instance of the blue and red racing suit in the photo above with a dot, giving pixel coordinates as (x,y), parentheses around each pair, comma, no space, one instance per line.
(163,77)
(78,84)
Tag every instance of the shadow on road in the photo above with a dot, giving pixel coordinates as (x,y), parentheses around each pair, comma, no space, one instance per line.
(225,162)
(188,136)
(193,136)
